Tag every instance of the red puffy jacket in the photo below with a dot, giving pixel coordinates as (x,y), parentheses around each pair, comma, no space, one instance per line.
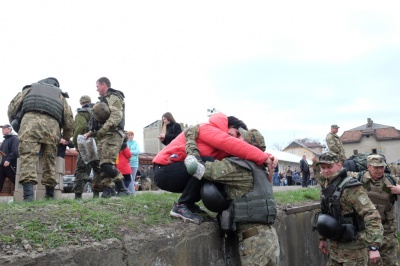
(214,141)
(123,161)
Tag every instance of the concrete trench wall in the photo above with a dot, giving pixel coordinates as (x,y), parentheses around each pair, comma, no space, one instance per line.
(187,244)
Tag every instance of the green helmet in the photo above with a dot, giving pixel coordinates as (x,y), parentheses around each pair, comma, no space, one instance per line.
(101,112)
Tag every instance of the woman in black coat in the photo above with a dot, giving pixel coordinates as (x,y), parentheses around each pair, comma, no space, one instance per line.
(170,129)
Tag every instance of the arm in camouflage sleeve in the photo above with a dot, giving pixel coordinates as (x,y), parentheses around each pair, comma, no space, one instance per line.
(331,142)
(68,126)
(15,104)
(361,203)
(80,126)
(191,135)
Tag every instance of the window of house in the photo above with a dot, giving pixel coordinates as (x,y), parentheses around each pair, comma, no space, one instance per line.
(355,152)
(374,151)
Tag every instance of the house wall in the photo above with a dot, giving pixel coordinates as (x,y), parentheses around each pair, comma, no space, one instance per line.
(300,151)
(390,148)
(150,136)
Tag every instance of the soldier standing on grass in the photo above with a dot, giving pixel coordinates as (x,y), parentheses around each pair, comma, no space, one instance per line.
(82,171)
(44,111)
(109,133)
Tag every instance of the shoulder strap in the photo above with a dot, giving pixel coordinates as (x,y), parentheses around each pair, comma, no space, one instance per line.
(341,185)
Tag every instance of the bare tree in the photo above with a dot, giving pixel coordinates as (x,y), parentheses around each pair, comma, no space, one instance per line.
(307,140)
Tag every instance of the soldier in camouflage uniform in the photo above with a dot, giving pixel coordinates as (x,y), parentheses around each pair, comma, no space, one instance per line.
(45,112)
(383,189)
(82,171)
(335,144)
(258,240)
(110,136)
(356,233)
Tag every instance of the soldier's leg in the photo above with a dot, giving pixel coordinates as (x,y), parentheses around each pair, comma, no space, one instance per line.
(28,156)
(97,187)
(49,153)
(80,173)
(390,248)
(259,245)
(111,145)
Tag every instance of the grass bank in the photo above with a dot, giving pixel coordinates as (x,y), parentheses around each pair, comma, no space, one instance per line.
(50,224)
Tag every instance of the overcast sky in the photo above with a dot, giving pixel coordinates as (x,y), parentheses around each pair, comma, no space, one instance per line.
(287,68)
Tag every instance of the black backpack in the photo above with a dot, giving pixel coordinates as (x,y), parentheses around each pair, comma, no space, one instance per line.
(356,163)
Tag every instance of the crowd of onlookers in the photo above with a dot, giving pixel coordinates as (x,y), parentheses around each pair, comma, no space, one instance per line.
(289,177)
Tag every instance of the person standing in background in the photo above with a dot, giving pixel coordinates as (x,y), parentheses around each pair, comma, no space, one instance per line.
(289,176)
(134,161)
(123,162)
(170,129)
(305,171)
(9,155)
(334,143)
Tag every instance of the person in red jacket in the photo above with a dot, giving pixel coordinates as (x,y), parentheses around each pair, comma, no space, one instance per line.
(123,164)
(217,140)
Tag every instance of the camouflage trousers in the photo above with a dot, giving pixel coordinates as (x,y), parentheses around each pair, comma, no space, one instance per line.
(108,149)
(28,156)
(82,173)
(348,257)
(390,247)
(260,247)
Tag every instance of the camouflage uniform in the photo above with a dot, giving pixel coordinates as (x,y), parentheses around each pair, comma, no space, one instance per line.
(110,135)
(353,199)
(317,172)
(40,132)
(335,145)
(259,249)
(83,170)
(384,201)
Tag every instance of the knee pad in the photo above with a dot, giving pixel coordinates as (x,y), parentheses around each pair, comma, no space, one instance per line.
(109,170)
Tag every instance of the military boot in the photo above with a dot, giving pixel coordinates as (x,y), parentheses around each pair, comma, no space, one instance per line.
(106,192)
(28,191)
(49,193)
(120,186)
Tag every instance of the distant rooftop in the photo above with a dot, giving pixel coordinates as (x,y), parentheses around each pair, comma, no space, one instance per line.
(380,132)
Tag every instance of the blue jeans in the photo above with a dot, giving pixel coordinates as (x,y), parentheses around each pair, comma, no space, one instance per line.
(276,179)
(131,187)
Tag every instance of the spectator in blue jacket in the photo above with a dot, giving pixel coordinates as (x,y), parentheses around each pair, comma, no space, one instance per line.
(134,161)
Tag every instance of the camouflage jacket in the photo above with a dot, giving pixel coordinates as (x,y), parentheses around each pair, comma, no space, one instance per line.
(335,145)
(36,126)
(80,125)
(116,105)
(356,199)
(381,196)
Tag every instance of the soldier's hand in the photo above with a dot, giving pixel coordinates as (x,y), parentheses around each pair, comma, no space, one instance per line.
(101,133)
(374,256)
(87,135)
(394,189)
(322,247)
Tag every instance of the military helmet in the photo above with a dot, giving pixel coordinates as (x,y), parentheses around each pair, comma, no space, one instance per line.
(213,197)
(50,81)
(329,227)
(101,112)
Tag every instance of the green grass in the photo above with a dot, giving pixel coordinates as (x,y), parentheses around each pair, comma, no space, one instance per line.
(297,196)
(50,224)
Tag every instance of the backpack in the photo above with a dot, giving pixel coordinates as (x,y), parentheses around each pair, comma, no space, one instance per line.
(356,163)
